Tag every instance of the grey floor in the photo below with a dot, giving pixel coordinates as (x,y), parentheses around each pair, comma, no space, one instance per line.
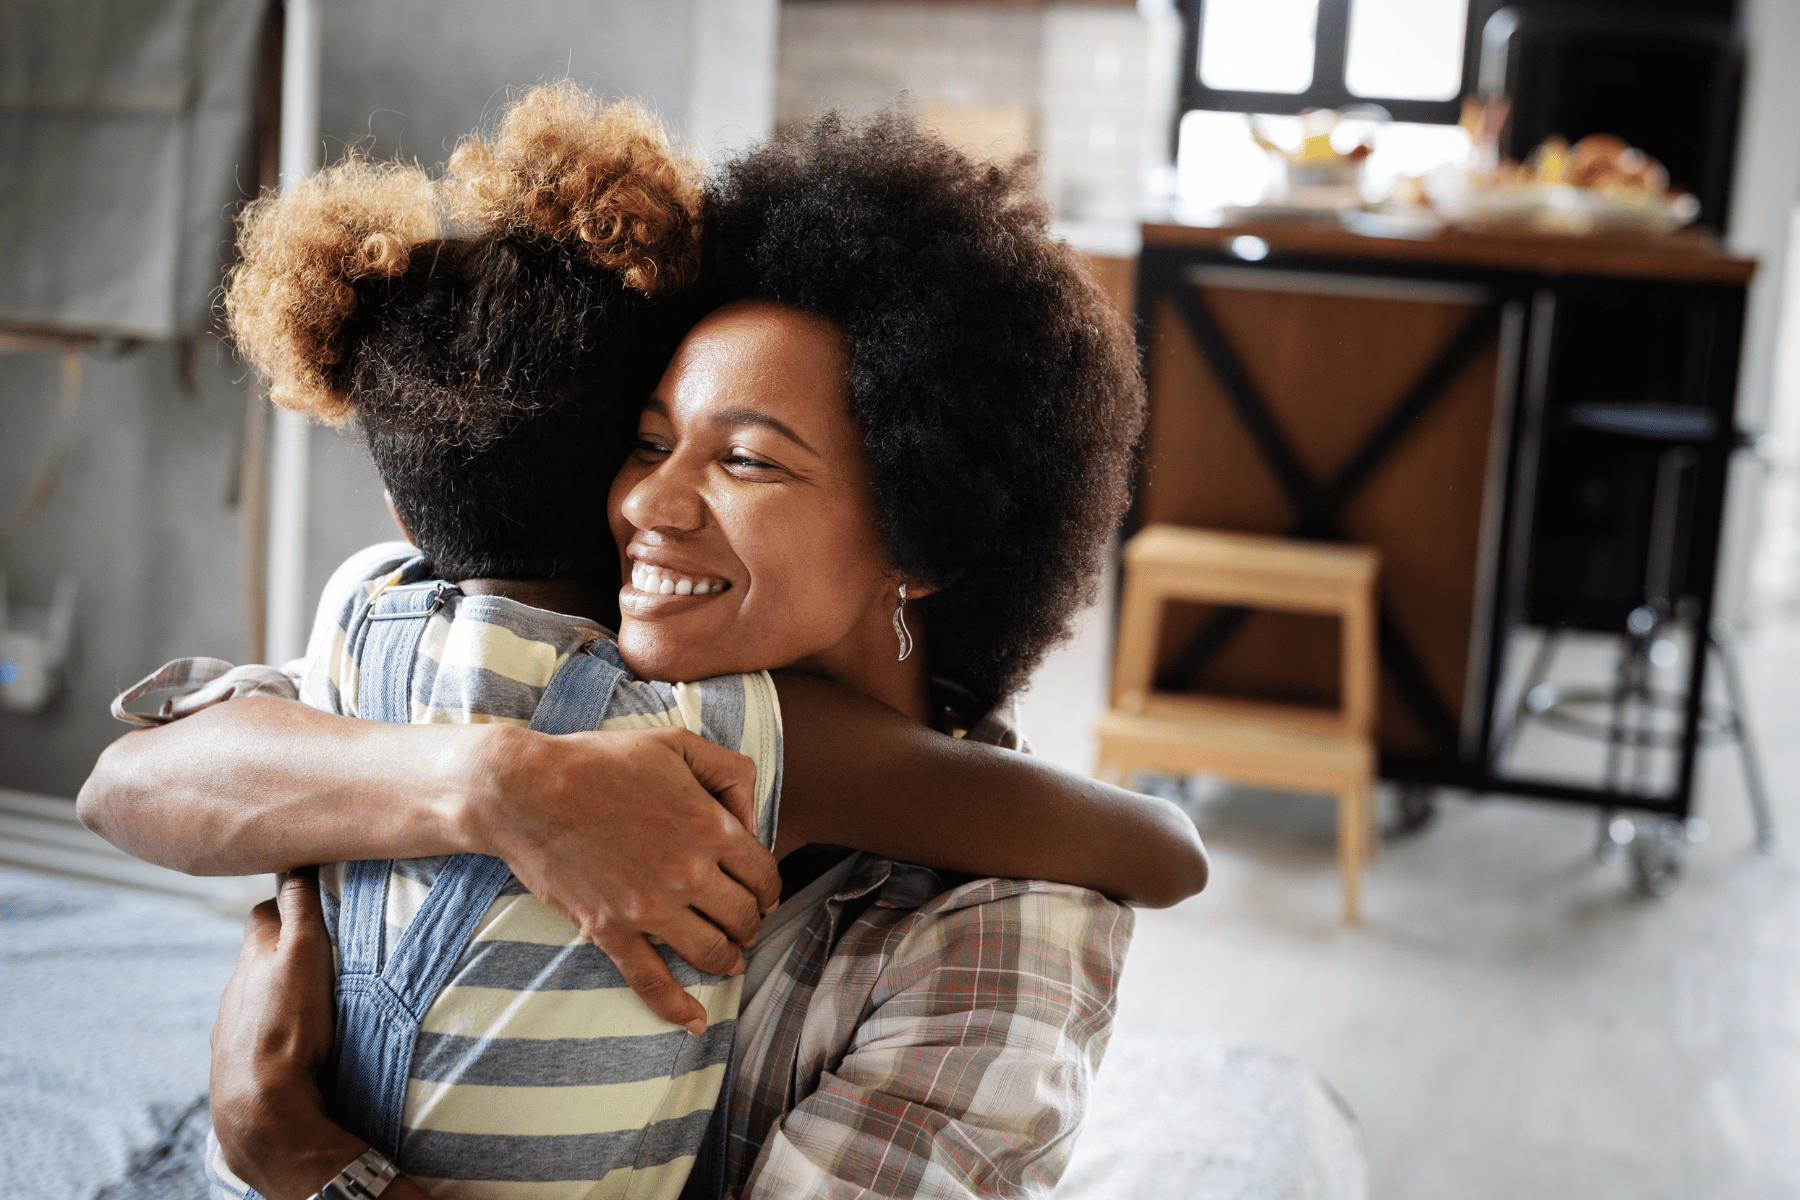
(1511,1020)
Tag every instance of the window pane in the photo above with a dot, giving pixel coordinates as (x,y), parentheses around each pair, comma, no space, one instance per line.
(1406,49)
(1217,163)
(1257,45)
(1406,149)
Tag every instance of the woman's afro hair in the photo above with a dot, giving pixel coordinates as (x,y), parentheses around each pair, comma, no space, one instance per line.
(996,388)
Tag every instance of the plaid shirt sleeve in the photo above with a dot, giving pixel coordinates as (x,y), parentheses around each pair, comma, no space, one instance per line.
(970,1030)
(187,685)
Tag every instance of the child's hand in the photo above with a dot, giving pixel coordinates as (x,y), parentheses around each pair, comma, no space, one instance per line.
(632,834)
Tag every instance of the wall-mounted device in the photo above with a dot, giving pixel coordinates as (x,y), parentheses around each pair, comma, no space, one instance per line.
(34,645)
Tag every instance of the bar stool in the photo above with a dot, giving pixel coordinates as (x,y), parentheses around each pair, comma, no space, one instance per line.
(1250,741)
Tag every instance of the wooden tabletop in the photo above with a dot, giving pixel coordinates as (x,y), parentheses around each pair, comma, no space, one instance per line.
(1691,256)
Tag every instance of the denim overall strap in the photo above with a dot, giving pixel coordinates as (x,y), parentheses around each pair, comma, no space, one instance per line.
(579,692)
(380,1005)
(391,630)
(576,701)
(379,1010)
(390,635)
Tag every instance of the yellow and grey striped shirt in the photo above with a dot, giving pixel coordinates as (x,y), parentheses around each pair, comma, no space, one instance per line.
(537,1074)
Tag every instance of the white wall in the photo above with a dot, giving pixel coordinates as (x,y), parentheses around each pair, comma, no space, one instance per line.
(1095,108)
(731,97)
(1764,192)
(1091,87)
(144,518)
(1774,584)
(411,77)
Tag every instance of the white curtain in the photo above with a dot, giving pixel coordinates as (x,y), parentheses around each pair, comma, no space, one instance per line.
(124,139)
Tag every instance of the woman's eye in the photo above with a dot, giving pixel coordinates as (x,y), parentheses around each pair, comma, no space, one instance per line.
(744,460)
(649,447)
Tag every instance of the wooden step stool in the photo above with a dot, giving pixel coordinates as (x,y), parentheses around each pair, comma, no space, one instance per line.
(1276,745)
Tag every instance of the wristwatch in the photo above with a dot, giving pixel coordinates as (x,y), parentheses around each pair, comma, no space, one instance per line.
(364,1179)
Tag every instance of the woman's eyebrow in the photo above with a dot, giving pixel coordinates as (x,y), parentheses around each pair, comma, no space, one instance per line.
(737,418)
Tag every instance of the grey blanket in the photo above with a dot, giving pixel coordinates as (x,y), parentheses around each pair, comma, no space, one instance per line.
(106,999)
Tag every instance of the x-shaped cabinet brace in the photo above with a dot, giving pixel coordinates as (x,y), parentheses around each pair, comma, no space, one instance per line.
(1319,506)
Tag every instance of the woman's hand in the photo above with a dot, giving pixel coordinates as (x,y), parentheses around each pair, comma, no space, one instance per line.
(621,833)
(273,1035)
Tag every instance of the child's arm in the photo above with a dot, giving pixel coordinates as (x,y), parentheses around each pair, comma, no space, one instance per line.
(856,773)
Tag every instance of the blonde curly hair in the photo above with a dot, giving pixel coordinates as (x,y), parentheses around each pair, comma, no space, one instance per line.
(600,180)
(568,167)
(491,333)
(288,297)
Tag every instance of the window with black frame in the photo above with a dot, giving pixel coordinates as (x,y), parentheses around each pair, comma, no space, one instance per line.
(1414,58)
(1395,72)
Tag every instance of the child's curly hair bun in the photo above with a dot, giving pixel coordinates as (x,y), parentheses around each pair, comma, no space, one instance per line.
(566,166)
(289,297)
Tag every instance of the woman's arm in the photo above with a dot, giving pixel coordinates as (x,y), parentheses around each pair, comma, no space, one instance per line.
(619,832)
(261,784)
(857,773)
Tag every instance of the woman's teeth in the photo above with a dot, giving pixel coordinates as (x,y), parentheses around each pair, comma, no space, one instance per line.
(658,582)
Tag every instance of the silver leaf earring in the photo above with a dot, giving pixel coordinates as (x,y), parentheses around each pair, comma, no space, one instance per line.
(900,629)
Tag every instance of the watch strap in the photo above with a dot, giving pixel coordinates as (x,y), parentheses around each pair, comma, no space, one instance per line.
(364,1179)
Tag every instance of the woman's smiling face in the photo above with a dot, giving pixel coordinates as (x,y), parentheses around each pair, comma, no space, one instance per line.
(745,516)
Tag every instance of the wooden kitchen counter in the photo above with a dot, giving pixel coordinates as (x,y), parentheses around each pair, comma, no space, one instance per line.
(1334,383)
(1689,256)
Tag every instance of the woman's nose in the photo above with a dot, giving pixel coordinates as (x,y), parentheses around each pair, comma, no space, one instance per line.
(667,499)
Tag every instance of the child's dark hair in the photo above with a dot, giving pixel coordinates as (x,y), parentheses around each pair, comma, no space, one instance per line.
(491,336)
(996,388)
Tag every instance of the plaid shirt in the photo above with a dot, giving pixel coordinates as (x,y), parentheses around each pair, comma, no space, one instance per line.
(923,1041)
(928,1042)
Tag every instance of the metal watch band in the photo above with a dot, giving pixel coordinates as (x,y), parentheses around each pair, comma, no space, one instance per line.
(364,1179)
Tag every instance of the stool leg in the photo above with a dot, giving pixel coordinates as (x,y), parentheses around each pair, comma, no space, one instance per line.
(1353,836)
(1371,823)
(1740,713)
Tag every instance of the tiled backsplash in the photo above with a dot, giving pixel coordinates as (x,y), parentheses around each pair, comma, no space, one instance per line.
(860,56)
(1073,81)
(1095,103)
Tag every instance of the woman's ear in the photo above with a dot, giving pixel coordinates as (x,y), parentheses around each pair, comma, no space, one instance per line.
(918,590)
(395,513)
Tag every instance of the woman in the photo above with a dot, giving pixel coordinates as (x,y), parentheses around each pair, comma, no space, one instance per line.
(906,386)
